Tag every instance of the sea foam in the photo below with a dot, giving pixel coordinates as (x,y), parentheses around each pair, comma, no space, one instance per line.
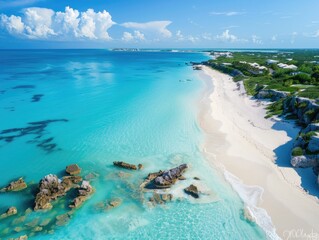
(251,195)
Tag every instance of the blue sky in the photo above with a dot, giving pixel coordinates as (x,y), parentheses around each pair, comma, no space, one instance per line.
(163,24)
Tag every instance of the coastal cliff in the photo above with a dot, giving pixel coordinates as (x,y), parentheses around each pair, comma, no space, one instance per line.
(305,152)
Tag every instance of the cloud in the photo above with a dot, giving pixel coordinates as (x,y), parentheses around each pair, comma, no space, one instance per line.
(16,3)
(180,37)
(128,37)
(158,27)
(274,38)
(256,40)
(12,24)
(226,36)
(228,14)
(43,23)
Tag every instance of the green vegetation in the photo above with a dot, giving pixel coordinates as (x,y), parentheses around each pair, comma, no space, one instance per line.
(307,136)
(310,92)
(297,151)
(276,108)
(248,66)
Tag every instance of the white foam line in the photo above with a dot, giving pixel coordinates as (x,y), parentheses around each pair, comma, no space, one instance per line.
(251,195)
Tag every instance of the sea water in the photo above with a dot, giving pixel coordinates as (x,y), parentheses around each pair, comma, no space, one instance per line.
(93,107)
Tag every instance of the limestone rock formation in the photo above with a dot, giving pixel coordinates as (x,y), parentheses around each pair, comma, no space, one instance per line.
(192,190)
(51,188)
(304,161)
(272,94)
(150,177)
(160,198)
(313,145)
(15,186)
(169,177)
(11,211)
(84,192)
(73,169)
(125,165)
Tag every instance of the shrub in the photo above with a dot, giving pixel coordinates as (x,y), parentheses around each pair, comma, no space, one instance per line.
(297,151)
(307,136)
(302,105)
(311,113)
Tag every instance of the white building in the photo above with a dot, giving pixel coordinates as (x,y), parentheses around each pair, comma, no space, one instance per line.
(271,61)
(287,66)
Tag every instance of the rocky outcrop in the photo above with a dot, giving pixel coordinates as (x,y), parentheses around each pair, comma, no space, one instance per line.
(125,165)
(271,94)
(84,192)
(311,127)
(15,186)
(63,219)
(160,198)
(51,188)
(164,179)
(73,169)
(23,237)
(108,205)
(11,211)
(304,161)
(313,145)
(169,177)
(150,177)
(306,110)
(192,190)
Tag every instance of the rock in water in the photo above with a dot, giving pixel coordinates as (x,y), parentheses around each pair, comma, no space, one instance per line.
(169,177)
(51,188)
(313,145)
(192,190)
(73,169)
(11,211)
(15,186)
(150,177)
(125,165)
(84,193)
(23,237)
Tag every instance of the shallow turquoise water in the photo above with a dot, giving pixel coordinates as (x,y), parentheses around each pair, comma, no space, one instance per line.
(138,107)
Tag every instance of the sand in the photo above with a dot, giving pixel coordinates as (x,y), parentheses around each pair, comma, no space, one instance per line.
(245,145)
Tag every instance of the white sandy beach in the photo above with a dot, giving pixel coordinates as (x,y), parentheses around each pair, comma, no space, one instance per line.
(242,142)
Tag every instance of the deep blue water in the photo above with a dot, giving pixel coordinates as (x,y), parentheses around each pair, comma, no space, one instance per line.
(93,107)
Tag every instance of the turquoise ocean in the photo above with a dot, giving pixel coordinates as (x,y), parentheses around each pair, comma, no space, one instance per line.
(93,107)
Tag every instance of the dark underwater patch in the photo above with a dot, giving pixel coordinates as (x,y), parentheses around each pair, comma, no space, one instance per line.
(37,130)
(36,97)
(24,87)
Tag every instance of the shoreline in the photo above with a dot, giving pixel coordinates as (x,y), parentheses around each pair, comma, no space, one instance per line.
(242,143)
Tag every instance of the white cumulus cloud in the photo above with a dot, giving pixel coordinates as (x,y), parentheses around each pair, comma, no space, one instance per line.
(157,27)
(226,36)
(128,37)
(43,23)
(12,24)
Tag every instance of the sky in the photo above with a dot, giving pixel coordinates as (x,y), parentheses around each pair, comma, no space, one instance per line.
(159,24)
